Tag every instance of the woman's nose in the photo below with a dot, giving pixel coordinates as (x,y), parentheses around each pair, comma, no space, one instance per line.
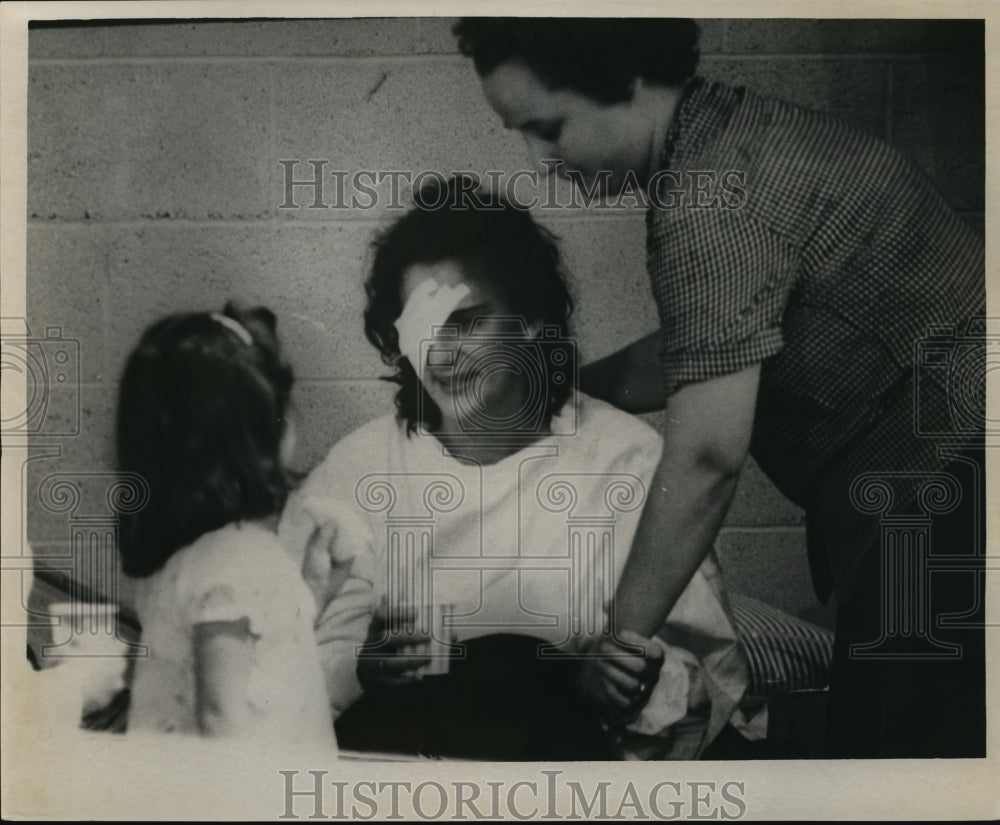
(540,150)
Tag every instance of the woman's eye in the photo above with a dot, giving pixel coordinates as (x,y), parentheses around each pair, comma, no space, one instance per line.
(549,132)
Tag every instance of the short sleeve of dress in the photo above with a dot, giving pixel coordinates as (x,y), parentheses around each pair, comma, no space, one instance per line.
(720,280)
(244,573)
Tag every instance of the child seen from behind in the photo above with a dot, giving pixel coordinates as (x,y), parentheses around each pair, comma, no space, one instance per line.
(228,621)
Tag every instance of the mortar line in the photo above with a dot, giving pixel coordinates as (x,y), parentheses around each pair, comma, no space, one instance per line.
(444,57)
(459,59)
(556,215)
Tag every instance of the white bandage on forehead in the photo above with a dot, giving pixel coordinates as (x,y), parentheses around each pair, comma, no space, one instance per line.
(429,306)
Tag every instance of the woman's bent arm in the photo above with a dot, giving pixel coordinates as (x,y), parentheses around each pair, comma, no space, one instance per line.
(706,441)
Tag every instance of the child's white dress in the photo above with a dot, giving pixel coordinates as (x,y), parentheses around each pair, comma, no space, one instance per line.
(240,571)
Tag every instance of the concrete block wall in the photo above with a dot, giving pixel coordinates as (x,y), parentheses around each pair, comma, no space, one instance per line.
(155,186)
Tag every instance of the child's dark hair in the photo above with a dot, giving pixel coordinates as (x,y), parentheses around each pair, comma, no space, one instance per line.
(599,57)
(499,244)
(201,415)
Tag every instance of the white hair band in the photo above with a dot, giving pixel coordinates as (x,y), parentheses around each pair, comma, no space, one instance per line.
(234,326)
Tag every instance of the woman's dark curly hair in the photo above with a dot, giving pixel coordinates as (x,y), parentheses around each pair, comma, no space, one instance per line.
(599,57)
(499,244)
(201,415)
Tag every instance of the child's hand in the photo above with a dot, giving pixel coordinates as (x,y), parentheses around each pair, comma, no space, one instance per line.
(395,652)
(324,576)
(337,541)
(619,681)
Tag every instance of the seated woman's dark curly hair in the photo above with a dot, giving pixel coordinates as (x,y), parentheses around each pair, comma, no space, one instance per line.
(599,57)
(494,242)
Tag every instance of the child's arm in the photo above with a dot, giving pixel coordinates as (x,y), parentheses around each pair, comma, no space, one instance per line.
(222,658)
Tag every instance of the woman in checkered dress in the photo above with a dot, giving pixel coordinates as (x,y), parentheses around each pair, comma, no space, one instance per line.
(819,304)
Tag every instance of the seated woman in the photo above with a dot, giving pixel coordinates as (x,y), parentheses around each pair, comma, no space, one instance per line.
(501,501)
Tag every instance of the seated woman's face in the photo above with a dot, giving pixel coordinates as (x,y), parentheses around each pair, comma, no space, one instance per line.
(475,371)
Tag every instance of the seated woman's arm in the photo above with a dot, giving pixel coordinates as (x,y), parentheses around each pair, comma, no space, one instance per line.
(631,379)
(706,440)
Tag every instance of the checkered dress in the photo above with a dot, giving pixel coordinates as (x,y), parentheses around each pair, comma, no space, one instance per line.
(788,237)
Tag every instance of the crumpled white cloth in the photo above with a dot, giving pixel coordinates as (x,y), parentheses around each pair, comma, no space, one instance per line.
(702,680)
(679,686)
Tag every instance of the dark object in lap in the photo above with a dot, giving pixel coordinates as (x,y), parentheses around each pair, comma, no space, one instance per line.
(499,702)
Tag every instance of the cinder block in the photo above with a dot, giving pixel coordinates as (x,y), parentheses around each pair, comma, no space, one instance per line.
(248,38)
(869,36)
(424,116)
(772,567)
(938,119)
(758,502)
(713,32)
(606,262)
(854,90)
(133,141)
(67,287)
(310,276)
(328,411)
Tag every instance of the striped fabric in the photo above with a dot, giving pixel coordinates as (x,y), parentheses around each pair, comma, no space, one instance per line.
(786,654)
(795,240)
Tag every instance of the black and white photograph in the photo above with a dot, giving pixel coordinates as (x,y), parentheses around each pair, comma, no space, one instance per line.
(422,411)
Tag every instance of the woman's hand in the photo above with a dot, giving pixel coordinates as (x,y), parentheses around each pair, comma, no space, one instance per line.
(394,652)
(617,680)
